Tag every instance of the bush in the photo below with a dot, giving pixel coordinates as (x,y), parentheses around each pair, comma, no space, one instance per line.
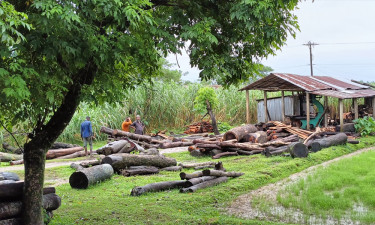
(365,126)
(223,127)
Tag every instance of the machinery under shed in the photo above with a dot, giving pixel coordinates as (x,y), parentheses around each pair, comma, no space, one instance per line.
(306,90)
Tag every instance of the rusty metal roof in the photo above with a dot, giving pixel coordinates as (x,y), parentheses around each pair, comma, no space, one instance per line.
(320,85)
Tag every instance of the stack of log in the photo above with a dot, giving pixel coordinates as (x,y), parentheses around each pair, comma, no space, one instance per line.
(199,127)
(190,182)
(11,191)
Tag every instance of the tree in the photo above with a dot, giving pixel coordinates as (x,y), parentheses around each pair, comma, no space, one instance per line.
(74,50)
(166,73)
(205,102)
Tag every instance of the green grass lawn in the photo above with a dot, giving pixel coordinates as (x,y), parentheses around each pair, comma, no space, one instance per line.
(109,202)
(345,188)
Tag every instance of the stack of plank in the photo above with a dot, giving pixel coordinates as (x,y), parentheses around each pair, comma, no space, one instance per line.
(199,127)
(190,182)
(11,191)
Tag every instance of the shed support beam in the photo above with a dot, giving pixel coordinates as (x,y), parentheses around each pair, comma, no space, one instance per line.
(307,111)
(341,105)
(282,106)
(265,107)
(373,107)
(355,105)
(326,114)
(247,107)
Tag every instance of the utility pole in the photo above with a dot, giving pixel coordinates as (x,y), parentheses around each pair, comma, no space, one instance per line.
(311,44)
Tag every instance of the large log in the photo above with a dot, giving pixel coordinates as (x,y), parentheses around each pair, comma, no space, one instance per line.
(296,150)
(347,127)
(195,181)
(110,159)
(86,177)
(76,166)
(139,170)
(58,145)
(74,155)
(9,176)
(11,149)
(54,153)
(187,176)
(133,136)
(208,146)
(242,146)
(338,139)
(13,190)
(51,201)
(142,160)
(239,151)
(175,144)
(224,154)
(239,133)
(113,147)
(204,184)
(257,137)
(7,157)
(160,186)
(172,168)
(192,165)
(11,221)
(93,162)
(16,162)
(220,173)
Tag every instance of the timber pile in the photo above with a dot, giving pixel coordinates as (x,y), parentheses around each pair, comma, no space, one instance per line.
(199,127)
(11,192)
(189,182)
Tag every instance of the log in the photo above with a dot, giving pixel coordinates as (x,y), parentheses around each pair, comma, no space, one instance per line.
(51,201)
(198,180)
(347,127)
(75,155)
(296,149)
(239,133)
(291,138)
(204,184)
(353,142)
(196,153)
(208,146)
(142,160)
(192,165)
(187,176)
(257,137)
(110,159)
(113,147)
(239,151)
(58,145)
(220,173)
(13,190)
(150,151)
(133,136)
(86,164)
(205,141)
(175,144)
(16,162)
(51,154)
(11,221)
(172,168)
(139,170)
(154,187)
(12,149)
(7,157)
(337,139)
(203,167)
(89,176)
(9,176)
(144,144)
(224,154)
(242,146)
(214,152)
(76,166)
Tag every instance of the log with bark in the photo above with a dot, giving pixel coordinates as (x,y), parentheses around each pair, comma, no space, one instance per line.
(220,173)
(16,162)
(257,137)
(224,154)
(192,165)
(239,133)
(7,157)
(242,146)
(139,170)
(198,180)
(338,139)
(160,186)
(172,168)
(347,127)
(14,190)
(175,144)
(88,176)
(187,176)
(196,153)
(127,160)
(76,166)
(296,150)
(351,141)
(54,153)
(58,145)
(11,221)
(239,151)
(9,176)
(113,147)
(204,184)
(89,163)
(12,149)
(133,136)
(75,155)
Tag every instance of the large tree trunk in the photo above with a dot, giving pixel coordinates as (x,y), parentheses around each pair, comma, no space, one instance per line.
(121,133)
(338,139)
(113,147)
(213,119)
(82,179)
(42,139)
(54,153)
(239,133)
(160,186)
(74,155)
(141,160)
(205,184)
(58,145)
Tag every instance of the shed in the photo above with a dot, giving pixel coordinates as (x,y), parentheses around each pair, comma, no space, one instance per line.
(317,85)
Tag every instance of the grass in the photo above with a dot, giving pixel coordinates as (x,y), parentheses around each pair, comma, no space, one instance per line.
(336,190)
(109,202)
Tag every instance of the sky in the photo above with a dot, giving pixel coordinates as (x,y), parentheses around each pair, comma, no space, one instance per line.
(344,31)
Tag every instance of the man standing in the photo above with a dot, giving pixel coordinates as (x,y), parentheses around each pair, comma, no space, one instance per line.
(138,125)
(86,134)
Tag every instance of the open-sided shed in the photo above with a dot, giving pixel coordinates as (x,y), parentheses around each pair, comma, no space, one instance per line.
(316,85)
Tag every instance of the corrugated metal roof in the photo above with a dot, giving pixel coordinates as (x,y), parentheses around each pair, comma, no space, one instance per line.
(320,85)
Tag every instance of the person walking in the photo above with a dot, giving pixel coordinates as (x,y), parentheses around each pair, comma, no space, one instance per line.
(87,134)
(126,124)
(138,125)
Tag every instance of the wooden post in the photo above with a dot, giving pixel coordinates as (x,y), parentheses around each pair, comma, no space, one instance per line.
(341,103)
(355,105)
(326,114)
(373,107)
(247,107)
(282,106)
(307,111)
(265,107)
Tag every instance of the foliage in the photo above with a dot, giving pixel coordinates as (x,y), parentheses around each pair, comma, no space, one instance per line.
(365,126)
(204,95)
(166,74)
(224,127)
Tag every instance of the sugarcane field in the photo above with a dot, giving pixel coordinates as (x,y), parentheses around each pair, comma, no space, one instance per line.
(187,112)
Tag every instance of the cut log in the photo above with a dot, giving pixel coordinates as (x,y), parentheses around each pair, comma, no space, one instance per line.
(86,164)
(196,153)
(113,147)
(205,141)
(11,221)
(75,155)
(58,145)
(13,190)
(128,160)
(205,184)
(187,176)
(110,159)
(76,166)
(16,162)
(214,152)
(175,144)
(353,142)
(224,154)
(208,146)
(144,144)
(198,180)
(257,137)
(291,138)
(239,133)
(54,153)
(239,151)
(242,146)
(192,165)
(7,157)
(88,176)
(219,173)
(9,176)
(172,168)
(150,151)
(51,201)
(160,186)
(338,139)
(347,127)
(203,167)
(139,170)
(11,149)
(133,136)
(296,149)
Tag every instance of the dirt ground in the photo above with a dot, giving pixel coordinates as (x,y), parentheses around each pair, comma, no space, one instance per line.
(243,206)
